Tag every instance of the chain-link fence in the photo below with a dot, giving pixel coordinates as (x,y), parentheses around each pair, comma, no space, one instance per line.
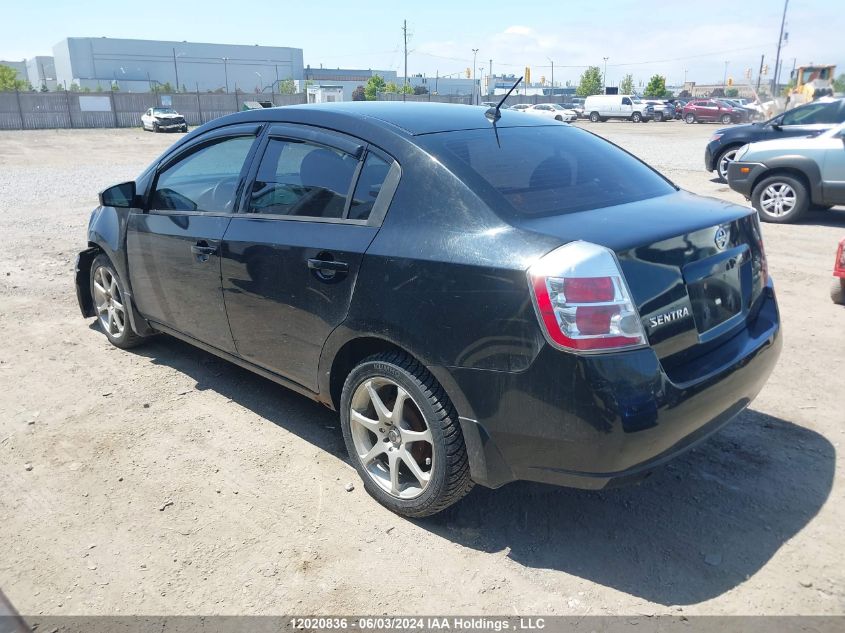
(50,110)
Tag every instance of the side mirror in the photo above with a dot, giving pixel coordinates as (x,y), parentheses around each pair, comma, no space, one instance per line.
(121,196)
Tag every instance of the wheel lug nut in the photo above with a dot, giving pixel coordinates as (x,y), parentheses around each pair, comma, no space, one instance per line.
(428,461)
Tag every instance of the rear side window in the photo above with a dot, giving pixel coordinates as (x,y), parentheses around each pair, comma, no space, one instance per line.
(541,171)
(302,179)
(368,187)
(814,113)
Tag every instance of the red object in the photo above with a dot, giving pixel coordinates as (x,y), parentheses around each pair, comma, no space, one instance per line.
(588,289)
(839,263)
(544,303)
(710,110)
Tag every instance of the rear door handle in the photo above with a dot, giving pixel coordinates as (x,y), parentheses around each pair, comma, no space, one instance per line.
(202,251)
(325,264)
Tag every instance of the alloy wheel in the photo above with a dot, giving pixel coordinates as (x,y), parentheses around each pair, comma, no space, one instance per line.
(724,160)
(391,437)
(778,199)
(109,302)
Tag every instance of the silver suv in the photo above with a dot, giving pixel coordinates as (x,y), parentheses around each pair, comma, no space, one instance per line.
(784,177)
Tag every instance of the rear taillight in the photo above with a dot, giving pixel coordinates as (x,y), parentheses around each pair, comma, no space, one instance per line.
(763,264)
(582,300)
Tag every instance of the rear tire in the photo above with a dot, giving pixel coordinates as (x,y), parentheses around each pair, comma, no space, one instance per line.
(837,291)
(421,442)
(780,199)
(659,117)
(594,117)
(689,118)
(110,304)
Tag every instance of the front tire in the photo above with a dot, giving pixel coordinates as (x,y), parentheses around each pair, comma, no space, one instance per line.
(109,300)
(723,160)
(837,291)
(780,199)
(156,128)
(403,436)
(726,119)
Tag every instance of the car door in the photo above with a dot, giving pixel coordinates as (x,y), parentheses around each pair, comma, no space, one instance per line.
(314,203)
(173,245)
(627,107)
(833,168)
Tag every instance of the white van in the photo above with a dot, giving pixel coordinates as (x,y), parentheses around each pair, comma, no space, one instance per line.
(603,107)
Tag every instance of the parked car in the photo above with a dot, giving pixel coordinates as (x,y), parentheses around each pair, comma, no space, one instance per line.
(163,120)
(679,107)
(711,110)
(577,108)
(806,120)
(521,107)
(604,107)
(784,177)
(553,111)
(480,304)
(753,111)
(837,288)
(663,110)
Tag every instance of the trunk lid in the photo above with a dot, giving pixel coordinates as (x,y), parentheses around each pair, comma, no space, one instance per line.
(695,266)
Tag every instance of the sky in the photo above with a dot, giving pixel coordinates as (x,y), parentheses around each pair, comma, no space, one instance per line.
(637,37)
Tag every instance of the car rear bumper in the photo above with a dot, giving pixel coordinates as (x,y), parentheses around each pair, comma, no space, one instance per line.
(596,421)
(742,176)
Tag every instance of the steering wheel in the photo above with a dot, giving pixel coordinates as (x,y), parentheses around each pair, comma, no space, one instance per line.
(223,194)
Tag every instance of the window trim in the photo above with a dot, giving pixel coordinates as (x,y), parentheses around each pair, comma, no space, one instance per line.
(209,138)
(332,140)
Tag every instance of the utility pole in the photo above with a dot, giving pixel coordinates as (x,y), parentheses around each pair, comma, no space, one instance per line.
(553,75)
(226,72)
(490,87)
(760,72)
(604,76)
(474,56)
(405,34)
(176,69)
(777,56)
(725,78)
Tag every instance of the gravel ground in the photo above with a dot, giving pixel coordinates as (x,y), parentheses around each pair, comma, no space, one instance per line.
(166,481)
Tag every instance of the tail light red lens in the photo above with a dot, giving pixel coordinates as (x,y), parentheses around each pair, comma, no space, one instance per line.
(582,300)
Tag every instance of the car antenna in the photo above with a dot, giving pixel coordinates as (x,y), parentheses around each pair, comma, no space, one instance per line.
(493,114)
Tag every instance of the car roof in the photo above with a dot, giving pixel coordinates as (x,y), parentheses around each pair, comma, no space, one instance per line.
(411,118)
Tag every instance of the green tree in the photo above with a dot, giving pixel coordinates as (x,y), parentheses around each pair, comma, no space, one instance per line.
(358,94)
(166,87)
(732,92)
(839,83)
(9,79)
(287,87)
(74,87)
(420,90)
(115,87)
(656,86)
(44,88)
(86,89)
(375,84)
(626,86)
(391,86)
(591,82)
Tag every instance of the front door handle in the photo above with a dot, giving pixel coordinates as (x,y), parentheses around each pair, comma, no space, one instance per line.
(202,251)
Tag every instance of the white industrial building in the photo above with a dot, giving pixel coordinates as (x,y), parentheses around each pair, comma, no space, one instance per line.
(144,65)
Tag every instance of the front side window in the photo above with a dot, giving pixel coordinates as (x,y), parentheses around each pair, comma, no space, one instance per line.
(626,101)
(813,113)
(302,179)
(542,171)
(205,180)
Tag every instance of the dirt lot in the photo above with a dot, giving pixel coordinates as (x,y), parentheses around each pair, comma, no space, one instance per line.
(166,481)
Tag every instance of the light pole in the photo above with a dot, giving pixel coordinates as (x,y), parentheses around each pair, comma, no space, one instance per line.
(474,56)
(725,78)
(176,68)
(777,56)
(685,79)
(260,80)
(226,71)
(553,75)
(604,76)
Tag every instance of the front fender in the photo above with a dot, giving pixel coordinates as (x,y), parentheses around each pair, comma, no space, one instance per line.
(806,166)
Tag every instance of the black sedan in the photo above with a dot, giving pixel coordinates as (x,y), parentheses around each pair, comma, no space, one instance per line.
(482,299)
(806,120)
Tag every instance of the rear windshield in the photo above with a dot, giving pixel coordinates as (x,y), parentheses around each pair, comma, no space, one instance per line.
(541,171)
